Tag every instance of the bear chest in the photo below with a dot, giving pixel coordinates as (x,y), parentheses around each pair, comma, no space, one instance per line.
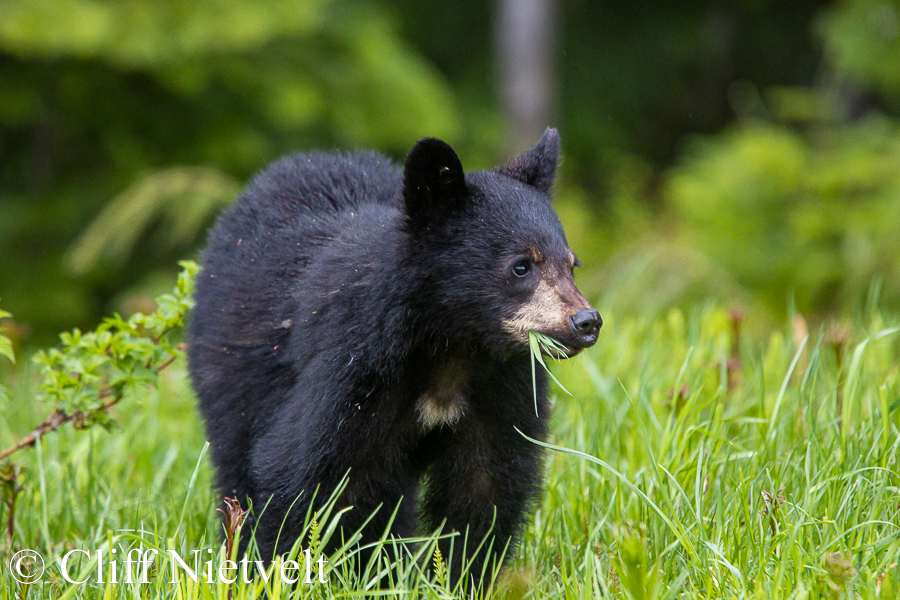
(444,401)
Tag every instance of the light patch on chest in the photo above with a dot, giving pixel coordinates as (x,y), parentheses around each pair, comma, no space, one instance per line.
(444,403)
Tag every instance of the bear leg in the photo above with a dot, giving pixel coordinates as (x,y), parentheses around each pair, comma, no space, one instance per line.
(481,484)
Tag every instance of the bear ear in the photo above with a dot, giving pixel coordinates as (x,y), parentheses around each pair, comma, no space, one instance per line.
(433,182)
(536,166)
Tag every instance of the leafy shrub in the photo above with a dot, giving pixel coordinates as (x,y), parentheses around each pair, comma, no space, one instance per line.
(812,211)
(90,372)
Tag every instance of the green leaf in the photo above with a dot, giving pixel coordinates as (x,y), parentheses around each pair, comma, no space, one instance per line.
(6,348)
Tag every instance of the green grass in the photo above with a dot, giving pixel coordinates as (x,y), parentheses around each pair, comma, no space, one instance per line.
(673,473)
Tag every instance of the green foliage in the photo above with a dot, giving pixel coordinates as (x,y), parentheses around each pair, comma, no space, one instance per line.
(170,31)
(439,567)
(6,351)
(91,371)
(862,41)
(284,60)
(6,348)
(167,108)
(637,576)
(184,198)
(812,213)
(124,127)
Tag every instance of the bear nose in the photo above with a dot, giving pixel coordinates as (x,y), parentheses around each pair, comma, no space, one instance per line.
(586,324)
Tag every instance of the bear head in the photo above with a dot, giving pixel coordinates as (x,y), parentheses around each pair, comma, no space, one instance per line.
(494,258)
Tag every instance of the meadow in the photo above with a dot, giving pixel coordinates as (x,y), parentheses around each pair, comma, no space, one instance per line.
(717,155)
(691,460)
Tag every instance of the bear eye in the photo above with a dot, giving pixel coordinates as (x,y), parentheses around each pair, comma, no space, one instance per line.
(521,268)
(575,264)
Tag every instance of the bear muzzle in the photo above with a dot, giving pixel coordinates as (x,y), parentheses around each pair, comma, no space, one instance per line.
(586,324)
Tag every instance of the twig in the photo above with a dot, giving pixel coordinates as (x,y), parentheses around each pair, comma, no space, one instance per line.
(60,417)
(9,491)
(156,340)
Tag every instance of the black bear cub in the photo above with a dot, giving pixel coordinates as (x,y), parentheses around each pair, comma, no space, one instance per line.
(357,317)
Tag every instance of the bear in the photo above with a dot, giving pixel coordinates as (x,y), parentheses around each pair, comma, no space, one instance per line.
(357,318)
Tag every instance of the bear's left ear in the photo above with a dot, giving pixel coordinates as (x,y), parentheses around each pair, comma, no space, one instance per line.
(536,166)
(434,184)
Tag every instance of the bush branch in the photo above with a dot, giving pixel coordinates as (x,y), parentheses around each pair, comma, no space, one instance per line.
(59,418)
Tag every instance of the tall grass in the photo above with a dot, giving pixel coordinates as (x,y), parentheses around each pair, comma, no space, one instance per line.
(682,466)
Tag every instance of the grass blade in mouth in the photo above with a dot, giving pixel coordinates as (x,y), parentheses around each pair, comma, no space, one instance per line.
(540,344)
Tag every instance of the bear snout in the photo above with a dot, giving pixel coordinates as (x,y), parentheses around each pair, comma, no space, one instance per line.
(586,324)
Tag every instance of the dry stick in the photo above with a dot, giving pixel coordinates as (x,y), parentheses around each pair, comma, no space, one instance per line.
(61,417)
(733,362)
(11,519)
(8,477)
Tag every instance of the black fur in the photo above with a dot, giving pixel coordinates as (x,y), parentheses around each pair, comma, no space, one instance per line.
(336,293)
(537,167)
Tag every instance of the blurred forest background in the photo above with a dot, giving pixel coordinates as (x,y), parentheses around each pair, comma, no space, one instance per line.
(744,150)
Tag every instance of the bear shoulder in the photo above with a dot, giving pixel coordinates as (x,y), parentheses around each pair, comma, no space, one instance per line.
(320,182)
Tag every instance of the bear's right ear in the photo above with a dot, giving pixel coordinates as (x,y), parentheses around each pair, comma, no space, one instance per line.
(537,165)
(434,184)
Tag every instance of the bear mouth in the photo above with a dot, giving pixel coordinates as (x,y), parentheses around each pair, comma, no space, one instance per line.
(552,346)
(561,353)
